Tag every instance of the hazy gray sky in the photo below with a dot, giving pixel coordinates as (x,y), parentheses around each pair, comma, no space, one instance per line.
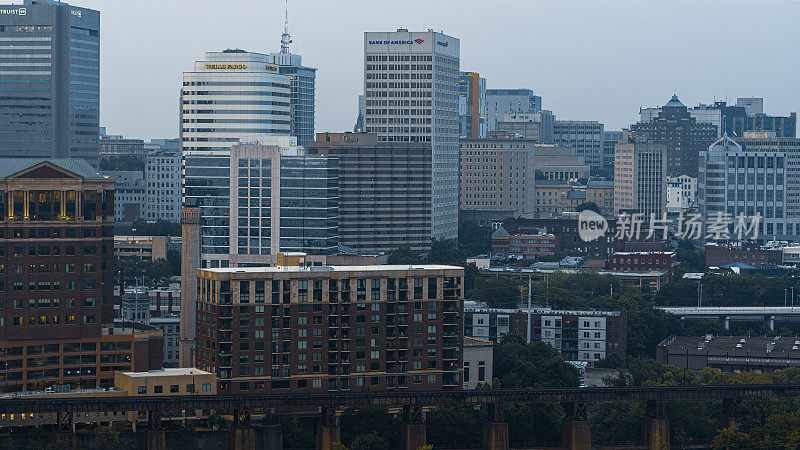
(594,60)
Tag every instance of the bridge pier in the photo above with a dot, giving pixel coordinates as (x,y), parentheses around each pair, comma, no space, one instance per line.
(771,323)
(576,432)
(156,437)
(243,436)
(727,322)
(495,431)
(657,426)
(414,433)
(328,430)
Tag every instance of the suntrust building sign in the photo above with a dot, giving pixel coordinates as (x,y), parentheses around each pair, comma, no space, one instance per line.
(13,12)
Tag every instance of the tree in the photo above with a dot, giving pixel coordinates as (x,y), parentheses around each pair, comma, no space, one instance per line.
(445,251)
(404,255)
(359,422)
(455,426)
(474,239)
(369,441)
(122,163)
(731,438)
(518,364)
(495,291)
(108,439)
(592,206)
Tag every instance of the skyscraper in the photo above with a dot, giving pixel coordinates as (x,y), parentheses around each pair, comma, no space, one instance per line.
(682,134)
(471,105)
(640,166)
(50,55)
(585,136)
(301,87)
(411,95)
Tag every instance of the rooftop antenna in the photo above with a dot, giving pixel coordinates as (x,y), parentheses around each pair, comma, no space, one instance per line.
(285,38)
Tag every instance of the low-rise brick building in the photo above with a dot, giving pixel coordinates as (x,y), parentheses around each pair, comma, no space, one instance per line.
(645,262)
(752,254)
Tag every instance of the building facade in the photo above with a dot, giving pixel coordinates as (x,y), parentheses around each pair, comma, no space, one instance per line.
(683,136)
(411,95)
(58,241)
(385,191)
(162,177)
(537,126)
(332,328)
(735,180)
(681,193)
(500,102)
(471,105)
(584,136)
(610,139)
(51,71)
(644,262)
(640,174)
(576,335)
(114,146)
(522,246)
(256,200)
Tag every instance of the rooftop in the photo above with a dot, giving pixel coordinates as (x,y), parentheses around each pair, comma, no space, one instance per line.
(312,269)
(734,344)
(168,372)
(9,166)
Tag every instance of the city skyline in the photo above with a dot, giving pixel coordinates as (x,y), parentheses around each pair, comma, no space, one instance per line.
(140,82)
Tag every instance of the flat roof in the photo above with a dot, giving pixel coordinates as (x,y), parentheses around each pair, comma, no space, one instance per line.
(316,269)
(167,372)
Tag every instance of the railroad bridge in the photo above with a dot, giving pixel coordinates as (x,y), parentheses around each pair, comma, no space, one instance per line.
(576,432)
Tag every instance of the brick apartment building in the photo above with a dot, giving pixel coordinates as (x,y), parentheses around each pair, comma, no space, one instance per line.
(330,328)
(753,254)
(524,246)
(56,280)
(645,262)
(577,335)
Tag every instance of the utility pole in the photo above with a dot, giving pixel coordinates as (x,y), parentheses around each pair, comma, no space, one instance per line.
(699,295)
(784,298)
(612,289)
(529,309)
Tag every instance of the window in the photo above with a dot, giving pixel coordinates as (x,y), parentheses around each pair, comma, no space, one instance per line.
(158,389)
(173,388)
(206,387)
(142,389)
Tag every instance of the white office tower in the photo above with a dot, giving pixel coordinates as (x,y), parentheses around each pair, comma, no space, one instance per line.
(233,96)
(411,95)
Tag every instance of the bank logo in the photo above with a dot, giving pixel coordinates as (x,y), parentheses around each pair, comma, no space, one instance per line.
(419,40)
(591,225)
(11,12)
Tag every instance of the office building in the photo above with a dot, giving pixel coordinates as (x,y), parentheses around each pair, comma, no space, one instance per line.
(537,126)
(58,233)
(683,136)
(160,145)
(556,198)
(162,179)
(640,176)
(114,146)
(576,335)
(522,246)
(681,193)
(568,240)
(359,126)
(302,86)
(645,262)
(331,328)
(730,253)
(51,71)
(738,180)
(610,139)
(790,146)
(500,173)
(384,191)
(129,194)
(584,136)
(233,96)
(500,102)
(256,200)
(471,105)
(752,105)
(411,95)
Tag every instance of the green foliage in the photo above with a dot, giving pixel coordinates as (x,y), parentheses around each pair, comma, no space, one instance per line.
(731,438)
(730,290)
(298,432)
(455,426)
(518,364)
(404,255)
(691,260)
(354,423)
(154,272)
(122,162)
(446,251)
(108,439)
(495,291)
(369,441)
(474,239)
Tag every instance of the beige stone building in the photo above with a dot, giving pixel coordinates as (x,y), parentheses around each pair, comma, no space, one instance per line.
(640,174)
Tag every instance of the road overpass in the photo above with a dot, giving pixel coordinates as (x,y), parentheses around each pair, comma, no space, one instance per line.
(767,314)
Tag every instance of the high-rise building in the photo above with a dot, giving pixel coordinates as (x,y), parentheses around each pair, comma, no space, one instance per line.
(640,173)
(50,69)
(752,105)
(233,96)
(500,102)
(359,126)
(471,105)
(302,85)
(57,220)
(257,199)
(384,191)
(411,95)
(162,177)
(585,136)
(738,180)
(331,328)
(683,136)
(610,139)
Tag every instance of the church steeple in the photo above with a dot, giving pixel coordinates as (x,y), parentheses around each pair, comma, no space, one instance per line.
(285,38)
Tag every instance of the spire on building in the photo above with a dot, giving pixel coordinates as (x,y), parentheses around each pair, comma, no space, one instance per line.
(285,38)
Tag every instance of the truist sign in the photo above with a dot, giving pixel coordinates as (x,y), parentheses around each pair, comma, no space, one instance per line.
(13,12)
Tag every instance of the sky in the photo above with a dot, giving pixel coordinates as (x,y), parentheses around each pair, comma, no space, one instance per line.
(588,60)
